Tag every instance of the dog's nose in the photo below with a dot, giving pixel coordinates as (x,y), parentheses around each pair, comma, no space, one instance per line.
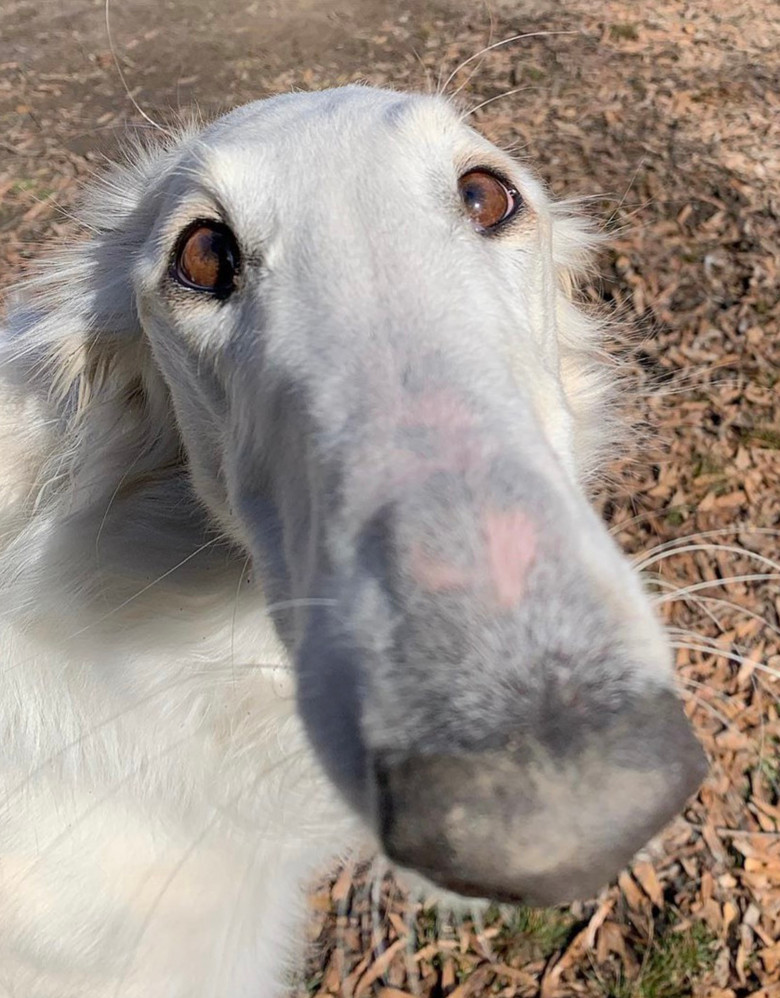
(546,820)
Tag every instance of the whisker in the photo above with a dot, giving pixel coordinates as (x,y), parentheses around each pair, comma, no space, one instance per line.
(478,64)
(130,599)
(496,45)
(714,583)
(705,648)
(241,576)
(490,100)
(126,474)
(704,602)
(620,203)
(697,601)
(688,693)
(676,542)
(121,74)
(147,587)
(291,604)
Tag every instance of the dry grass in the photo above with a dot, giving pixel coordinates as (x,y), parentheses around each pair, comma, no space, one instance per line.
(668,112)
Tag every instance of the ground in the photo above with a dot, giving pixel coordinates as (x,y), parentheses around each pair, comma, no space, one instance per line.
(663,118)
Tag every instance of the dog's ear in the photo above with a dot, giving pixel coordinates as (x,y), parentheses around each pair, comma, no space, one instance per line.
(87,430)
(73,348)
(72,323)
(72,327)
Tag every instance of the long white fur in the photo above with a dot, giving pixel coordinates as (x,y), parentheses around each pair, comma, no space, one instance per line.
(162,813)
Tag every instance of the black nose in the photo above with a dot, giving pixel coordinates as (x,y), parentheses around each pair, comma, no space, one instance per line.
(538,822)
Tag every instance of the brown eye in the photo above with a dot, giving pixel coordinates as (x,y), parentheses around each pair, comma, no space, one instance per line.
(487,199)
(206,258)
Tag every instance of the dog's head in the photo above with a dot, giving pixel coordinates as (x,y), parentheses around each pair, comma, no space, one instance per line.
(359,311)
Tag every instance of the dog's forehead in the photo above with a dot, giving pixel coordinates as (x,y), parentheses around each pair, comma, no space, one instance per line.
(286,158)
(339,116)
(361,134)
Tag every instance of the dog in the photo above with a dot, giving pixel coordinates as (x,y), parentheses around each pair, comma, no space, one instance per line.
(297,555)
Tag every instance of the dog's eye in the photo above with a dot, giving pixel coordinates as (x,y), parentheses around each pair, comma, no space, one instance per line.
(487,199)
(206,258)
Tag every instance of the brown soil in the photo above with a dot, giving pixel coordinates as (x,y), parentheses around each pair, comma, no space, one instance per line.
(668,112)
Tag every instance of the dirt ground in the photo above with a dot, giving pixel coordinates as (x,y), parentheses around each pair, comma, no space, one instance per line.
(663,118)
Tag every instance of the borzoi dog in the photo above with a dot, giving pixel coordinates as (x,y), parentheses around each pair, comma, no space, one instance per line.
(296,554)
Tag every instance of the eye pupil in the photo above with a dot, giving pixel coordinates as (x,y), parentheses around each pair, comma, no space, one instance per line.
(206,258)
(487,199)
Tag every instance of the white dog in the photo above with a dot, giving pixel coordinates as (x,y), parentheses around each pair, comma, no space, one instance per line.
(295,552)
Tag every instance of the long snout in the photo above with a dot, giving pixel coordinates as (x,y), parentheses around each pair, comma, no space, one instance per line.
(479,671)
(490,688)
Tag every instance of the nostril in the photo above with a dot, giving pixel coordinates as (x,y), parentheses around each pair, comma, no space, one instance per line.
(532,823)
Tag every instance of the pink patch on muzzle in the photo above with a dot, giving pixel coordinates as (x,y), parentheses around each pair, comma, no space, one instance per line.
(509,552)
(506,544)
(510,538)
(435,574)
